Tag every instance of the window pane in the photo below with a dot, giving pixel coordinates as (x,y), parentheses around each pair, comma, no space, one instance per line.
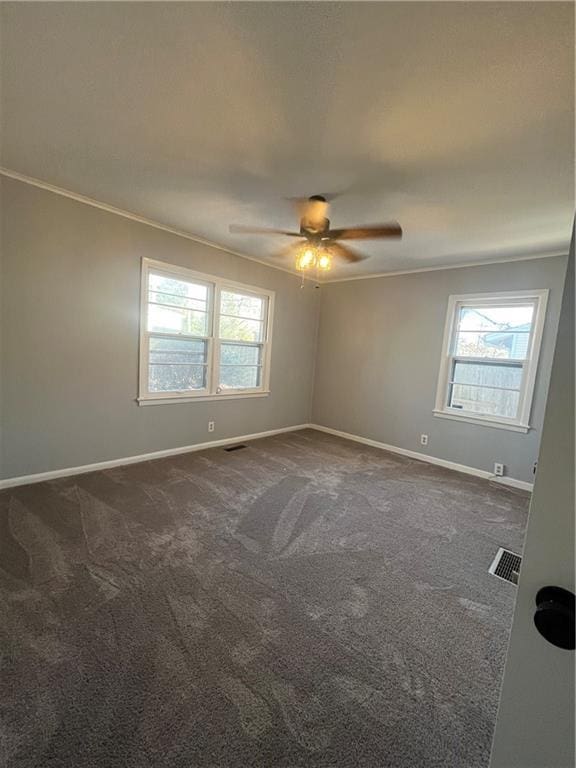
(496,402)
(241,305)
(485,374)
(504,318)
(241,330)
(163,350)
(169,299)
(498,344)
(180,293)
(238,354)
(494,331)
(239,377)
(176,378)
(176,320)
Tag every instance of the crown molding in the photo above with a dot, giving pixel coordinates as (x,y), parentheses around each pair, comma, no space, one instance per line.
(40,184)
(440,268)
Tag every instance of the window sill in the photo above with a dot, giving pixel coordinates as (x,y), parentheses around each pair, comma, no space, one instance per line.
(200,398)
(484,422)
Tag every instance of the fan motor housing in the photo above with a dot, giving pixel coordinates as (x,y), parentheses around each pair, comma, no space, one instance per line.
(308,227)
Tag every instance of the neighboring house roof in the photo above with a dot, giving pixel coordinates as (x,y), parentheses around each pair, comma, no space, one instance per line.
(499,337)
(516,342)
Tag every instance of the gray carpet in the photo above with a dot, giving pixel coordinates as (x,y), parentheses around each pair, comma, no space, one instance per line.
(306,601)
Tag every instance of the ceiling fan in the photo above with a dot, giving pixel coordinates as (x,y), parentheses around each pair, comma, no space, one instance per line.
(321,244)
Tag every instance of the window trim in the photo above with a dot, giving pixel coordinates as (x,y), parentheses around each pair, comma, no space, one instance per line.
(530,365)
(215,285)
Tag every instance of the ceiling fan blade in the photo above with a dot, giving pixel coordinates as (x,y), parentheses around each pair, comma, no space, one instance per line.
(238,229)
(393,229)
(343,252)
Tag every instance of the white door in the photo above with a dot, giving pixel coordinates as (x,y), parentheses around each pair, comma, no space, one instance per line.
(535,725)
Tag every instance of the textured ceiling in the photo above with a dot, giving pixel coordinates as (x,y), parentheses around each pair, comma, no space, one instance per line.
(456,119)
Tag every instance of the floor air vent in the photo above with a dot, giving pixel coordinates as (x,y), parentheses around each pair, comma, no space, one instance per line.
(506,565)
(234,448)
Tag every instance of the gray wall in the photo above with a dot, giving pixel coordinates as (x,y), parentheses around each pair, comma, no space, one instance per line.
(70,319)
(70,316)
(379,352)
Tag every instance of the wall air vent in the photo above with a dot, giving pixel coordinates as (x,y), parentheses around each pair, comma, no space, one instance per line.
(506,565)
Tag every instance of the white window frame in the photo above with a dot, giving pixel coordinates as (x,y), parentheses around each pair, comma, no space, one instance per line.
(215,286)
(529,365)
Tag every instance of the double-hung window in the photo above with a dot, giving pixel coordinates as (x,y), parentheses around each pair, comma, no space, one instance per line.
(490,358)
(201,336)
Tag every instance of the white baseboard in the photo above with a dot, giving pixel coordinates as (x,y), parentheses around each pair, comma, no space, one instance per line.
(509,481)
(40,477)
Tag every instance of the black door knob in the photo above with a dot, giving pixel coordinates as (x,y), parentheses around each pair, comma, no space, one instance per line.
(554,617)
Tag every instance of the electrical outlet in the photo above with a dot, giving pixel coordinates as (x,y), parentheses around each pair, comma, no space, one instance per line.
(423,439)
(498,469)
(210,426)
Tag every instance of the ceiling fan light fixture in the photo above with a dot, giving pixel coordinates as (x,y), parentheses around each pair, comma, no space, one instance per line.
(312,257)
(306,259)
(324,262)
